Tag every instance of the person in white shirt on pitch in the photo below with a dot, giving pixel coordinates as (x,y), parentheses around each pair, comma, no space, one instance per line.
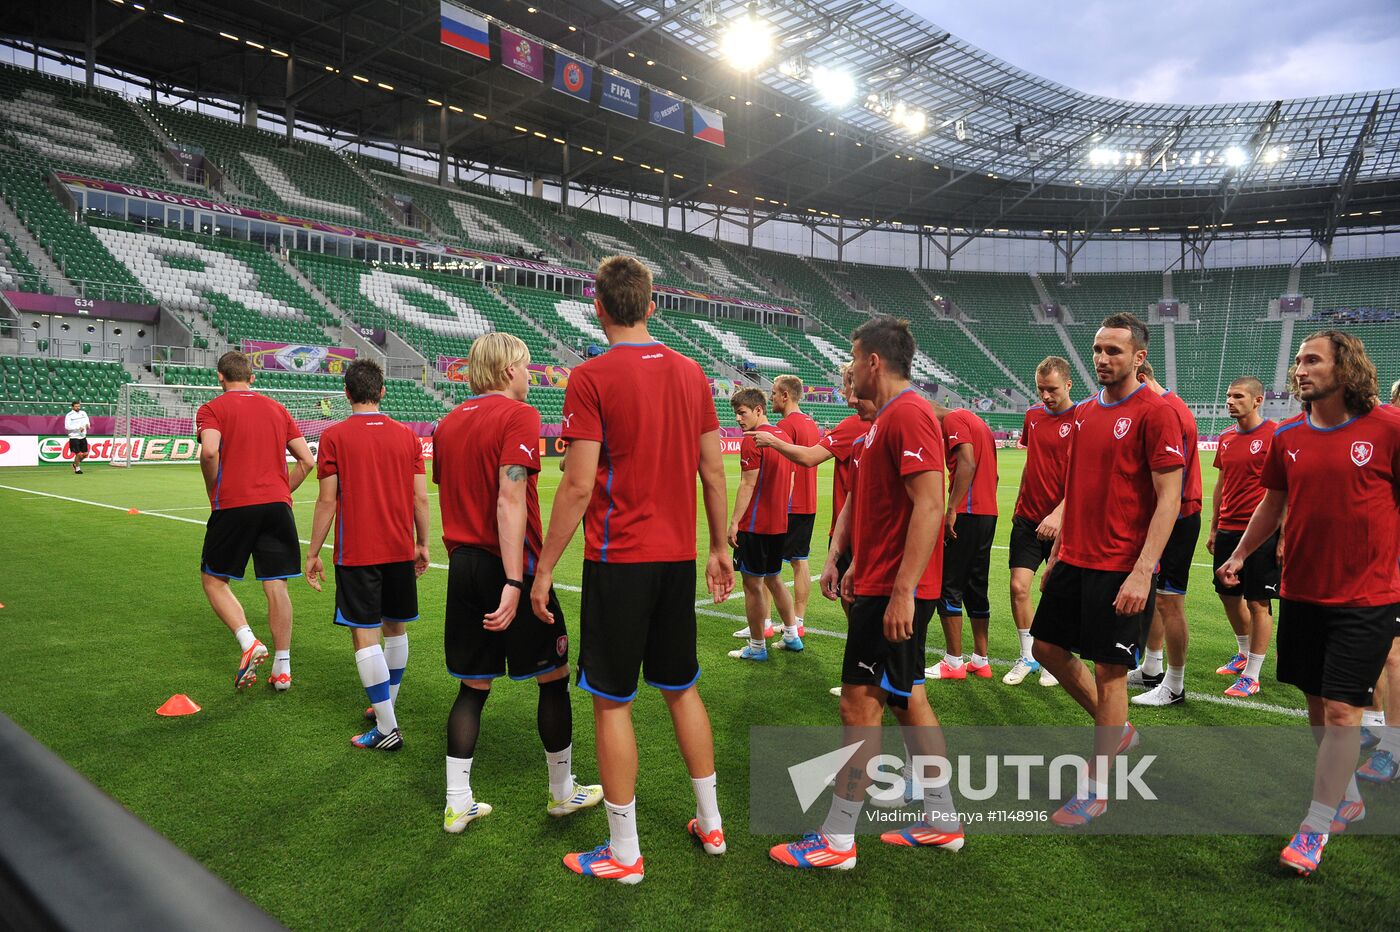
(75,423)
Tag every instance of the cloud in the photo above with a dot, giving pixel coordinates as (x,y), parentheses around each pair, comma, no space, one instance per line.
(1187,51)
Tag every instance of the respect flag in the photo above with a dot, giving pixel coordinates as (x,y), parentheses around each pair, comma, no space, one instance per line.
(667,111)
(708,125)
(572,77)
(466,32)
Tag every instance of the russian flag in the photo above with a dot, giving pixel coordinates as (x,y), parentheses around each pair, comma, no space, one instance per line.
(466,32)
(708,125)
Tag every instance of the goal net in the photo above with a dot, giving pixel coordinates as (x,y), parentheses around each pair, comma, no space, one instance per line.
(155,423)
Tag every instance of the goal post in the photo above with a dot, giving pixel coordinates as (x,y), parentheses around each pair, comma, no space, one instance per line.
(150,419)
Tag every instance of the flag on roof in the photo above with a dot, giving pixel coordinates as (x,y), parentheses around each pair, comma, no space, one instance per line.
(708,125)
(466,32)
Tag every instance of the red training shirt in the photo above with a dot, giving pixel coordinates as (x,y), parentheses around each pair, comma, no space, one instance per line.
(1240,458)
(767,512)
(1343,526)
(1190,447)
(470,445)
(648,406)
(1047,438)
(374,458)
(1109,496)
(904,440)
(255,431)
(839,440)
(963,427)
(803,431)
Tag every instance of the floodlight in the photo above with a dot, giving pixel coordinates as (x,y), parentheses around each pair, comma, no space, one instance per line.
(837,88)
(1235,157)
(747,42)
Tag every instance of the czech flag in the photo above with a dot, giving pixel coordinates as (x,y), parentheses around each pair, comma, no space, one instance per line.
(466,32)
(708,125)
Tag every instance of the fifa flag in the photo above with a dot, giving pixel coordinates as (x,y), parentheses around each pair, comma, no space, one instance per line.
(621,96)
(667,111)
(572,77)
(466,32)
(522,55)
(708,125)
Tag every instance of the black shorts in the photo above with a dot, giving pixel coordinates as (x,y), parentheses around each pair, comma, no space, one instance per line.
(967,559)
(1174,569)
(77,445)
(267,533)
(528,648)
(871,660)
(1027,550)
(798,543)
(367,596)
(1335,651)
(1076,612)
(637,619)
(1259,578)
(759,554)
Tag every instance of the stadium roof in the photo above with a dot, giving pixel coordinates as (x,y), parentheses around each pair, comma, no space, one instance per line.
(1002,149)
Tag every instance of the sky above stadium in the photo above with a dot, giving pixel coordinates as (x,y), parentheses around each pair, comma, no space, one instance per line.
(1187,51)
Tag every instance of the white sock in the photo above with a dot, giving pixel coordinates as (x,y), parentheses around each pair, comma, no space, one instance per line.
(622,832)
(978,660)
(459,782)
(245,637)
(1353,793)
(1027,643)
(1091,787)
(1319,818)
(939,810)
(374,676)
(767,624)
(561,772)
(1371,718)
(840,824)
(1175,680)
(706,803)
(760,644)
(395,658)
(1152,664)
(1390,740)
(800,621)
(282,662)
(953,662)
(1254,665)
(1243,641)
(789,632)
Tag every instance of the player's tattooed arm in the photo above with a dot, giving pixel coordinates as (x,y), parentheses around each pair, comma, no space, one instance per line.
(516,473)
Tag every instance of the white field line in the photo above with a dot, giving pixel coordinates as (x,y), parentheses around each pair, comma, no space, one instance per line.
(708,612)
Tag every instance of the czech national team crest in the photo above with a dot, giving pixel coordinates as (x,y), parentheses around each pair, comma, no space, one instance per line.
(1064,429)
(1361,452)
(1120,428)
(561,645)
(1256,445)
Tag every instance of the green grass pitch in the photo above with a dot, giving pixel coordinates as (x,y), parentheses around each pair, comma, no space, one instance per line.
(103,619)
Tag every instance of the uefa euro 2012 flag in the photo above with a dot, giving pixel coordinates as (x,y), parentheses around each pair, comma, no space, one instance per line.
(464,31)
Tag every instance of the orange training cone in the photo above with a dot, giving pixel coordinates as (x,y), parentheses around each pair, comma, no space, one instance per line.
(132,511)
(178,704)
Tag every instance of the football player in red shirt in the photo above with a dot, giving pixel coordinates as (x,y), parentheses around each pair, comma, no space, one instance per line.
(1336,468)
(758,530)
(486,461)
(244,439)
(892,589)
(641,423)
(1097,596)
(1174,570)
(375,491)
(970,524)
(1239,456)
(1046,435)
(802,508)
